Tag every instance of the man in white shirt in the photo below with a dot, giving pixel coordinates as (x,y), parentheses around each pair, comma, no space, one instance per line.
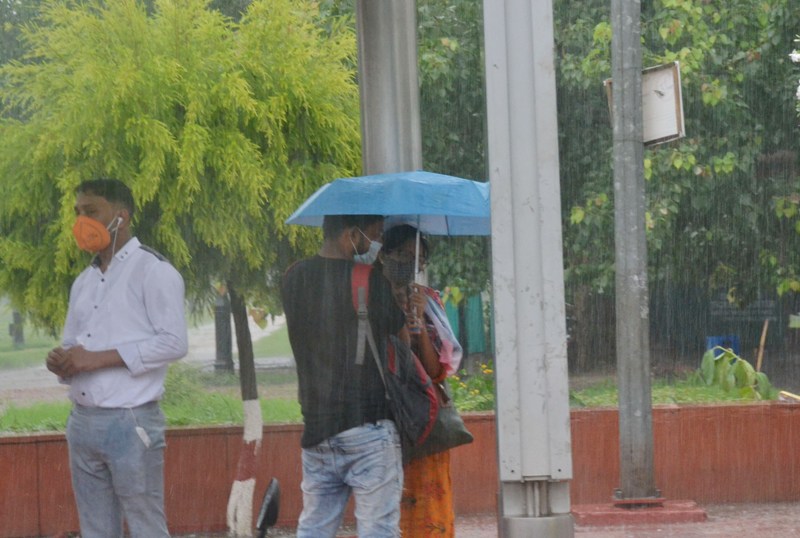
(125,324)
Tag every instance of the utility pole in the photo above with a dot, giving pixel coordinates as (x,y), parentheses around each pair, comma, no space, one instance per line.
(637,483)
(391,139)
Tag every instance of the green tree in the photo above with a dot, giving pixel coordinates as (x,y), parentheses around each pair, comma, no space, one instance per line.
(220,128)
(713,197)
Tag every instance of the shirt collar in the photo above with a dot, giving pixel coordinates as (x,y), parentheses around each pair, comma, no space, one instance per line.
(127,249)
(124,252)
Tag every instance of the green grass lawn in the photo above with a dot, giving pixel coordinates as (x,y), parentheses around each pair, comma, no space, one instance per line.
(192,398)
(275,344)
(195,398)
(680,392)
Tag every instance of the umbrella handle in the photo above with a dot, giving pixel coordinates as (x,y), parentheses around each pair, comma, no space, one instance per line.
(416,257)
(416,328)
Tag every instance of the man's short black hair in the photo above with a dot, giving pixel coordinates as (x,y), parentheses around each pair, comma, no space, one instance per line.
(113,190)
(333,225)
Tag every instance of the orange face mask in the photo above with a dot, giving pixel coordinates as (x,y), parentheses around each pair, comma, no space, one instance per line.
(90,234)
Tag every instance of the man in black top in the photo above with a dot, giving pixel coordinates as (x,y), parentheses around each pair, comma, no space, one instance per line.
(350,443)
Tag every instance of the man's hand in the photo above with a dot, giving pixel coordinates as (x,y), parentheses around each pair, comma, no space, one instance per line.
(55,359)
(68,362)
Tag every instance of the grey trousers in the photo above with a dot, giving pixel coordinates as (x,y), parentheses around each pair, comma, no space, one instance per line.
(117,471)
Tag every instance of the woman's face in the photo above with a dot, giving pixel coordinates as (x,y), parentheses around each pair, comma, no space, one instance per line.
(398,265)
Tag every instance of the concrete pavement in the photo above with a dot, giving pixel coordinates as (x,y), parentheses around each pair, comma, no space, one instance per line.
(768,520)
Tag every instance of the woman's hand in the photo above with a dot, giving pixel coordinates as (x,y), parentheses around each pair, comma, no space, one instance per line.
(414,303)
(418,299)
(415,314)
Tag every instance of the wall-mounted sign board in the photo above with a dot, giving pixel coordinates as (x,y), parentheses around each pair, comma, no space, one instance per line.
(662,103)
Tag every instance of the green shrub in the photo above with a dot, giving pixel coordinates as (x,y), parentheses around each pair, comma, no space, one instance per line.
(723,368)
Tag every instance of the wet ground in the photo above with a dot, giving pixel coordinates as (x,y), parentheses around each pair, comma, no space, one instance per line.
(773,520)
(768,520)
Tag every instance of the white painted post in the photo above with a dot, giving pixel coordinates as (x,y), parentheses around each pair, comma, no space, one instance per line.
(535,461)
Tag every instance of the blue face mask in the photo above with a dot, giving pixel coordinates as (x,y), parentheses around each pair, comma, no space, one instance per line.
(370,255)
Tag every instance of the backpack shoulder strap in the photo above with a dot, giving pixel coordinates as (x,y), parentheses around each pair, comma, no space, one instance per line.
(359,283)
(360,280)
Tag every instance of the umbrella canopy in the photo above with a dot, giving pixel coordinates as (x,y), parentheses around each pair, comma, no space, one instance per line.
(434,203)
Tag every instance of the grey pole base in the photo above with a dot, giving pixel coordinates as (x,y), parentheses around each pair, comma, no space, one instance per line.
(559,526)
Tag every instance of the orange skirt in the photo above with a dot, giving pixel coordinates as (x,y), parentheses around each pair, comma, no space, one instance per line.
(427,505)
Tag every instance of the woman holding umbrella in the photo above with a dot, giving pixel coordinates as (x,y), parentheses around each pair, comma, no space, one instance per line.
(427,502)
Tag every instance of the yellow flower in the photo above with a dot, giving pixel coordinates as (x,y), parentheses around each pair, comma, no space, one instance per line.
(488,371)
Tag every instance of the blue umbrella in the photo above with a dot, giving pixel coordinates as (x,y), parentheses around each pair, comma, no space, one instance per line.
(435,204)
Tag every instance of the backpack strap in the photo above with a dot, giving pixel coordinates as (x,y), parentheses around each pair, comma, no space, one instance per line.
(360,279)
(360,289)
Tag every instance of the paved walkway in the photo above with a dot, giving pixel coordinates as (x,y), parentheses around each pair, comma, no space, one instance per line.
(773,520)
(767,520)
(203,348)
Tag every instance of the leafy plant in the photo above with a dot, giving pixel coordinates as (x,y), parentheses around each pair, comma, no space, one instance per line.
(724,368)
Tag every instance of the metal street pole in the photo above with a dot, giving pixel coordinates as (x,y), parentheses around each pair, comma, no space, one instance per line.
(633,345)
(391,139)
(532,409)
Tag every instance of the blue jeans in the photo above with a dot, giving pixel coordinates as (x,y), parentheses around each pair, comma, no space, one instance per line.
(115,473)
(366,461)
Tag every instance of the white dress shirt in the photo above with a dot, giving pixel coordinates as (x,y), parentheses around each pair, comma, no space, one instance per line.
(137,308)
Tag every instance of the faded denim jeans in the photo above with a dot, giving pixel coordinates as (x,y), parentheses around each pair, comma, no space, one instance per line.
(115,475)
(366,461)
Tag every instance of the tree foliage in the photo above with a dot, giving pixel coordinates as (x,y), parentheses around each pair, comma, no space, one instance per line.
(220,128)
(13,15)
(453,117)
(713,197)
(166,111)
